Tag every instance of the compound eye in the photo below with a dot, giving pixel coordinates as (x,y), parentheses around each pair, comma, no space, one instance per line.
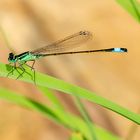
(11,56)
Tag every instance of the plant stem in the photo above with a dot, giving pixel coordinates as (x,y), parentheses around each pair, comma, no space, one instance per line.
(86,117)
(132,130)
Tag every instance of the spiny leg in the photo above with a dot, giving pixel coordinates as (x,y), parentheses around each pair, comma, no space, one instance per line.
(23,70)
(32,68)
(13,68)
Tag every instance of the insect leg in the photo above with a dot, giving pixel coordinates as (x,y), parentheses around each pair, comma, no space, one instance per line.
(32,68)
(13,68)
(23,69)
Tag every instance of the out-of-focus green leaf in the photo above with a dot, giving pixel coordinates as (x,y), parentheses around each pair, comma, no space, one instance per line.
(50,95)
(132,6)
(53,83)
(68,120)
(77,136)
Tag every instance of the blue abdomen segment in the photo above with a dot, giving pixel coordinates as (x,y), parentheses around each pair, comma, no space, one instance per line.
(119,50)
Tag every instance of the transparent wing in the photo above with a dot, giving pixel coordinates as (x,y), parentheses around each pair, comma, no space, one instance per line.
(65,44)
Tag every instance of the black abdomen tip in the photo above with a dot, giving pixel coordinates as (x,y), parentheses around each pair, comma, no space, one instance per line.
(124,49)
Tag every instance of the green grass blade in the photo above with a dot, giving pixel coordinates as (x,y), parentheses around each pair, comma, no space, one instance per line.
(77,136)
(81,127)
(56,103)
(85,116)
(28,103)
(50,95)
(61,117)
(132,6)
(53,83)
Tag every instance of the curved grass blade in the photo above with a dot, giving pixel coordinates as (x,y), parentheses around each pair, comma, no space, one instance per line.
(55,102)
(60,117)
(132,6)
(77,136)
(53,83)
(50,95)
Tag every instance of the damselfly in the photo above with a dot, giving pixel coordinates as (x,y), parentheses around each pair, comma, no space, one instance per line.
(59,47)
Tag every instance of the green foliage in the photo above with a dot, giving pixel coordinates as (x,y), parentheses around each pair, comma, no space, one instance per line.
(55,102)
(132,6)
(82,129)
(77,136)
(56,84)
(57,114)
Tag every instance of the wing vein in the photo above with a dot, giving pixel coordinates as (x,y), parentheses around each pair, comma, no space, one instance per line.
(70,42)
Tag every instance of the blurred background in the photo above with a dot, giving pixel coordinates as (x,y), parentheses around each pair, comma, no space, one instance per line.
(27,25)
